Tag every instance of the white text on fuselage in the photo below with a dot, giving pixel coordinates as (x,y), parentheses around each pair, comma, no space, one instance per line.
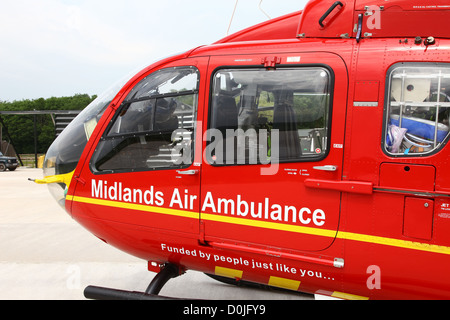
(183,200)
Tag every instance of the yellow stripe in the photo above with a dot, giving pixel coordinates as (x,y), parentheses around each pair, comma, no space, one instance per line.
(394,242)
(348,296)
(139,207)
(269,225)
(284,283)
(329,233)
(229,273)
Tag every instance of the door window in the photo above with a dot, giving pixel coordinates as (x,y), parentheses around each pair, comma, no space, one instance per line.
(154,127)
(258,116)
(417,109)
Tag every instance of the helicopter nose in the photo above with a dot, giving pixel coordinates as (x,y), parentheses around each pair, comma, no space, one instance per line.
(61,160)
(65,152)
(57,182)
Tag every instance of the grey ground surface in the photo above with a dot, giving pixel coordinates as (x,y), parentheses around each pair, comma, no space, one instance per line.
(44,254)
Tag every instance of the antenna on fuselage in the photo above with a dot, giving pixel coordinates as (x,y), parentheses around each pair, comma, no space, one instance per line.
(234,11)
(232,16)
(259,6)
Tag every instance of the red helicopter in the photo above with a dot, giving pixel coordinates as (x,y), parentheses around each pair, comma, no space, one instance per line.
(308,152)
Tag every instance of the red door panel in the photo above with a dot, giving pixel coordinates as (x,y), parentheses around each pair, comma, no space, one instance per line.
(242,203)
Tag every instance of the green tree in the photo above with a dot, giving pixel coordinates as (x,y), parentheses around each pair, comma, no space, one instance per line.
(21,127)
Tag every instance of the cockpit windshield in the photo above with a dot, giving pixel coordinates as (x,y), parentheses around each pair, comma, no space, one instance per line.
(63,155)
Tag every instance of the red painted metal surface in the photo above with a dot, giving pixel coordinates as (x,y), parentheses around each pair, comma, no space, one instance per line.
(376,226)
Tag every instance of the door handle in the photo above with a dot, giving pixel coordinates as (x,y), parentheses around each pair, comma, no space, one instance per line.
(187,172)
(361,187)
(326,14)
(326,168)
(360,21)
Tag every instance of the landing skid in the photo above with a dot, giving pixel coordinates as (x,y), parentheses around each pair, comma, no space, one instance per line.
(168,271)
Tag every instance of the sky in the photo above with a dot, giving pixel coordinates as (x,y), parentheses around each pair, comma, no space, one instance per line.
(56,48)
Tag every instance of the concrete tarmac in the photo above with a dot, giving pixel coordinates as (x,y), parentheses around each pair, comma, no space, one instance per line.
(45,255)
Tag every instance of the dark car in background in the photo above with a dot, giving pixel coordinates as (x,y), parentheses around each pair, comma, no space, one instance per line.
(9,163)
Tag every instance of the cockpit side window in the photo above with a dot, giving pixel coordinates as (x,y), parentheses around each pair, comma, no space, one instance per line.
(417,109)
(154,126)
(258,116)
